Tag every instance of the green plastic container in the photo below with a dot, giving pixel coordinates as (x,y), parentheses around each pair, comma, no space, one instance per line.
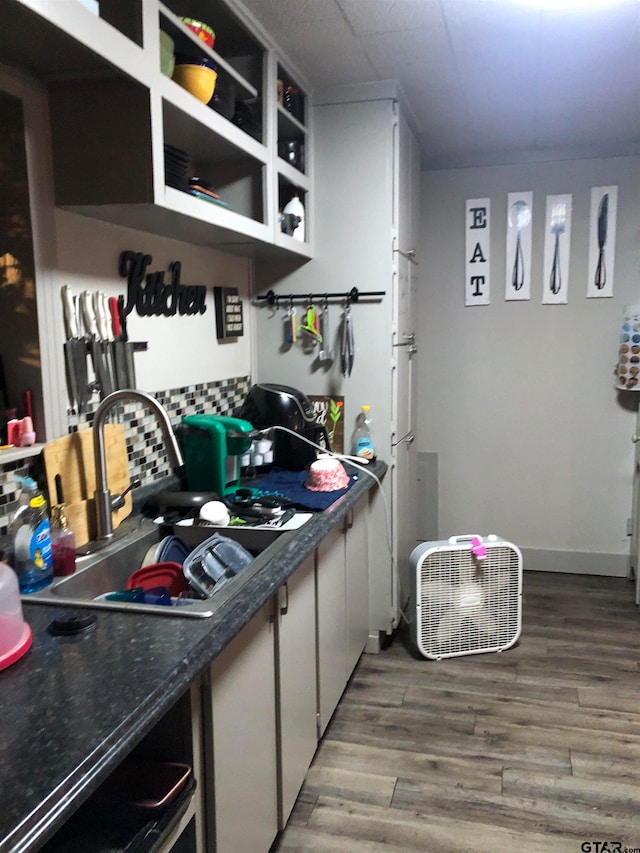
(212,446)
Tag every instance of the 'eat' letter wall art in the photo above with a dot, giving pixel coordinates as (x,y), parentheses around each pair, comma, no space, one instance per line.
(477,263)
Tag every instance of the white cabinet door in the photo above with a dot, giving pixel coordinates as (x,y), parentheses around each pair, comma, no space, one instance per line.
(332,623)
(357,581)
(404,473)
(297,691)
(242,726)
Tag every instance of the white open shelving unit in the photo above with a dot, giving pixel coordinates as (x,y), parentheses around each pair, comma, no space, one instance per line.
(113,110)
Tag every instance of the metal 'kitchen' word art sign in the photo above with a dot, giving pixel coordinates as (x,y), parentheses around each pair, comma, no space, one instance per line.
(150,295)
(229,323)
(477,264)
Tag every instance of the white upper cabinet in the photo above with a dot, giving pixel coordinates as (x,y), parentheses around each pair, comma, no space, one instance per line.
(128,140)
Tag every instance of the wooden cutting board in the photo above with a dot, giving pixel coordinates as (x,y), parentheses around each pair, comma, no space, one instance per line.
(71,457)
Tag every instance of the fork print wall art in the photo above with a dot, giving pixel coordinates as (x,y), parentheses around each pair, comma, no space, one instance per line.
(557,240)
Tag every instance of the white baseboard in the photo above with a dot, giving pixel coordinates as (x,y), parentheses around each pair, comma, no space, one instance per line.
(575,562)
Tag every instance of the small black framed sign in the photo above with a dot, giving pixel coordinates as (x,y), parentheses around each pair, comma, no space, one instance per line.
(228,305)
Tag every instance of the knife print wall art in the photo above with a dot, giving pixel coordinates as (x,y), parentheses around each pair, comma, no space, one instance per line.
(557,241)
(602,241)
(518,246)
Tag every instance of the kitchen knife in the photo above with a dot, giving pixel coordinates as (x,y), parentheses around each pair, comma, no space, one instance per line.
(71,341)
(91,327)
(603,216)
(118,345)
(128,348)
(81,352)
(109,337)
(99,302)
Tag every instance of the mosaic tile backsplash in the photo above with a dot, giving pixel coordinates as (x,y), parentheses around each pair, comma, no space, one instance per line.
(147,459)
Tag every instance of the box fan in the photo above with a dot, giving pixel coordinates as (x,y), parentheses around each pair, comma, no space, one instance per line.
(466,596)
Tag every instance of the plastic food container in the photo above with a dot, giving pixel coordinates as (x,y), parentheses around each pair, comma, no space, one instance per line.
(170,550)
(168,575)
(15,633)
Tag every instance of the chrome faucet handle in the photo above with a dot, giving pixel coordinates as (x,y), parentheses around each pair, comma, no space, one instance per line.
(117,501)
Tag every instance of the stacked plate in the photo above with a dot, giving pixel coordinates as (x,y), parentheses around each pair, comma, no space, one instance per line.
(177,167)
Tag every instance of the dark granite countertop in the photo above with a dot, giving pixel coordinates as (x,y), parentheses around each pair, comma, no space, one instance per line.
(72,708)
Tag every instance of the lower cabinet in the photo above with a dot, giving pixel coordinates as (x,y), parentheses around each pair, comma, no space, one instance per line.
(240,737)
(296,684)
(357,582)
(342,607)
(261,720)
(331,609)
(272,691)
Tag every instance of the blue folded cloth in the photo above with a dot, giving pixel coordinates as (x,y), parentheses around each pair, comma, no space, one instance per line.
(290,485)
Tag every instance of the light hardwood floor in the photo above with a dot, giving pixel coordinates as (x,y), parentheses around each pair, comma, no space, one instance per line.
(535,750)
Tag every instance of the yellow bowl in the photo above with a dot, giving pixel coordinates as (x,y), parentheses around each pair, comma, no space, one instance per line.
(197,79)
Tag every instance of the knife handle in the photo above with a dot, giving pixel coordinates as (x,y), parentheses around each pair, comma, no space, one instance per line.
(88,314)
(99,312)
(70,323)
(115,317)
(123,319)
(601,272)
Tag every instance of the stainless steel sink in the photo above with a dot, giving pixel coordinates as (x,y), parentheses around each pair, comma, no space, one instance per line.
(107,569)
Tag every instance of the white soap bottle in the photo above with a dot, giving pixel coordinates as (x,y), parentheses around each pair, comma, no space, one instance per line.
(362,438)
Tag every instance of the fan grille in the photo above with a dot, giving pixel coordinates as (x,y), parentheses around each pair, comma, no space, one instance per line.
(465,606)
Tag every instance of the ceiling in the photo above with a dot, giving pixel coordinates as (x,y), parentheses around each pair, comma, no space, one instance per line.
(487,81)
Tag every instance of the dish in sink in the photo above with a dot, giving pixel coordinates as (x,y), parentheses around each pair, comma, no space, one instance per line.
(108,570)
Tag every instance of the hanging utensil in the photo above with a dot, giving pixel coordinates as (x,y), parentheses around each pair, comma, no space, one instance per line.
(290,324)
(310,325)
(603,216)
(347,346)
(323,328)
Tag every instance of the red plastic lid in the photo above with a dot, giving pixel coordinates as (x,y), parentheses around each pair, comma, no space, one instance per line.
(22,647)
(167,574)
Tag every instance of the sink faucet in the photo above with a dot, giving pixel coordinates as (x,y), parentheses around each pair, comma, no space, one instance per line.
(104,503)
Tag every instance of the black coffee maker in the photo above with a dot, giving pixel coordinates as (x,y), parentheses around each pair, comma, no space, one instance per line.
(268,405)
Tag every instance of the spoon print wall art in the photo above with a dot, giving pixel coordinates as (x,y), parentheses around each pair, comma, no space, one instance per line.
(518,246)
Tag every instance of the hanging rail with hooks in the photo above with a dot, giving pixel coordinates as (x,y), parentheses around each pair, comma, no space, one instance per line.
(353,295)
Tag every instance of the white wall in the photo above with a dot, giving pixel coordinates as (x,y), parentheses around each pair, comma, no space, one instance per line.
(516,398)
(183,350)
